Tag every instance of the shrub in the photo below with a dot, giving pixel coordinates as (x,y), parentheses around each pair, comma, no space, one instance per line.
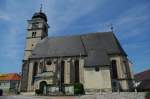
(78,89)
(147,95)
(38,92)
(17,92)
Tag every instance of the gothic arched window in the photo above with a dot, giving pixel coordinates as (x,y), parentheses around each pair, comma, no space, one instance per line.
(62,71)
(77,78)
(114,69)
(34,73)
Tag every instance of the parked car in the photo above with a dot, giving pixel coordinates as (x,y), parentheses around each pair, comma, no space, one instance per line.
(1,92)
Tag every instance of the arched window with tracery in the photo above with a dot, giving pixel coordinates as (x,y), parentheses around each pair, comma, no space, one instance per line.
(62,71)
(77,77)
(114,69)
(34,73)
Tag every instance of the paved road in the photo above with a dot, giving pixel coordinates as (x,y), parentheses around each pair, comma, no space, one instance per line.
(36,97)
(123,95)
(16,97)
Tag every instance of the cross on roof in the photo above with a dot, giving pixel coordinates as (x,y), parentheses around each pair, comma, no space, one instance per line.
(41,8)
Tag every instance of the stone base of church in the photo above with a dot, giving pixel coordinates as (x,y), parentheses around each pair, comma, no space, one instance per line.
(97,91)
(66,89)
(32,93)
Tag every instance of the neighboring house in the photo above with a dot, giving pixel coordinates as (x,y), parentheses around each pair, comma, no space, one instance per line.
(9,82)
(96,60)
(144,79)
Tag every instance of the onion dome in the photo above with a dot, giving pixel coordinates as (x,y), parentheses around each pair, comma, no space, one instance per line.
(39,15)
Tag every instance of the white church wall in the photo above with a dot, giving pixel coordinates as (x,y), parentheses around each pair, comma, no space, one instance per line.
(26,55)
(81,70)
(67,71)
(97,81)
(31,43)
(131,68)
(30,88)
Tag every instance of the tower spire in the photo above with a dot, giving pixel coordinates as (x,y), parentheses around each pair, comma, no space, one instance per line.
(41,8)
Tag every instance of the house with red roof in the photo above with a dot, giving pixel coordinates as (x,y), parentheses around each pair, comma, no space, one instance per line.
(10,82)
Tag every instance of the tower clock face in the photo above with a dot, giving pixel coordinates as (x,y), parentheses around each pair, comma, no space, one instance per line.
(35,25)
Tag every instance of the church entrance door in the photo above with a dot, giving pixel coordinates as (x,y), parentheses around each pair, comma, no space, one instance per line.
(42,87)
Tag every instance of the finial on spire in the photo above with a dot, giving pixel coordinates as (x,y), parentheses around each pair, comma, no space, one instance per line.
(41,8)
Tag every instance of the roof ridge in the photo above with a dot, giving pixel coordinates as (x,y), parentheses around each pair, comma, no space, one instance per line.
(119,45)
(82,34)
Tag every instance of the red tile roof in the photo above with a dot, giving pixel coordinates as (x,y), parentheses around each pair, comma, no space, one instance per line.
(10,76)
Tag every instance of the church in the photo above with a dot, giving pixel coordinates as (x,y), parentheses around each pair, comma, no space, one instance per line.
(95,60)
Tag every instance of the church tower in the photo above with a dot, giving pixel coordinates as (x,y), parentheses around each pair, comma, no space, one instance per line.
(37,30)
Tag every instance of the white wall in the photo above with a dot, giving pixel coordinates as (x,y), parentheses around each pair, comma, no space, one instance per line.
(5,85)
(97,80)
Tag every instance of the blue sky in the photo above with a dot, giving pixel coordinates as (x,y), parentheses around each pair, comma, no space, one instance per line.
(130,18)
